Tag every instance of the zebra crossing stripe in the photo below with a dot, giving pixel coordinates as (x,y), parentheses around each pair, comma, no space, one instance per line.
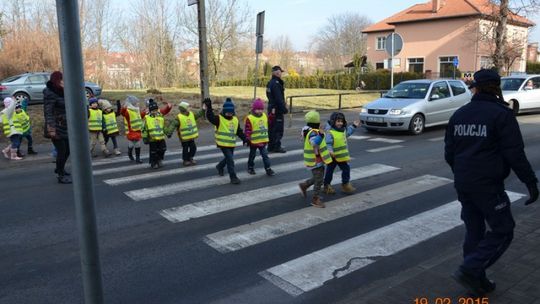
(162,173)
(384,148)
(180,187)
(386,140)
(358,137)
(437,138)
(313,270)
(113,160)
(133,167)
(238,200)
(243,236)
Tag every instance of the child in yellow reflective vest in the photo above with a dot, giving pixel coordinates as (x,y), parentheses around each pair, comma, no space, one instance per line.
(13,127)
(186,126)
(227,129)
(153,134)
(110,123)
(315,156)
(95,127)
(256,130)
(337,131)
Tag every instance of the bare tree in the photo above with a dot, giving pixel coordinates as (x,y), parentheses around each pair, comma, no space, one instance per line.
(282,45)
(341,38)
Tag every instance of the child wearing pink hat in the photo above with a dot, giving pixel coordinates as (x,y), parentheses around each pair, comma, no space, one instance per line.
(256,130)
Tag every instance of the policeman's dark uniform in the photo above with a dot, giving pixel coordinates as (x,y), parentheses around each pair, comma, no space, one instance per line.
(483,142)
(275,92)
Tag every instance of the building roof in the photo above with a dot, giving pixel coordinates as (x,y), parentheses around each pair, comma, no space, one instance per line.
(448,9)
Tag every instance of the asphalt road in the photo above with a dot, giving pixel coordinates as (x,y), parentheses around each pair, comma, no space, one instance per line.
(188,236)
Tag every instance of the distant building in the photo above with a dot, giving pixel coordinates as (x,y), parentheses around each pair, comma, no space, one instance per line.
(437,32)
(533,55)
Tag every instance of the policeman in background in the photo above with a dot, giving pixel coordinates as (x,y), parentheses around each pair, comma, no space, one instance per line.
(482,143)
(275,92)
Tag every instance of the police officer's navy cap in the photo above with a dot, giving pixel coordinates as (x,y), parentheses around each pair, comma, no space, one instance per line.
(277,68)
(485,76)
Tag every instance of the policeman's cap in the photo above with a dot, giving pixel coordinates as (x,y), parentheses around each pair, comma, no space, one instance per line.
(485,76)
(277,68)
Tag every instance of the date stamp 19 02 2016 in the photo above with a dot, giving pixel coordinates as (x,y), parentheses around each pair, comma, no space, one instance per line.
(443,300)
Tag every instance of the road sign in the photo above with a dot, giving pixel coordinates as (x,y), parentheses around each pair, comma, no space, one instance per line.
(259,45)
(260,24)
(456,62)
(191,2)
(397,42)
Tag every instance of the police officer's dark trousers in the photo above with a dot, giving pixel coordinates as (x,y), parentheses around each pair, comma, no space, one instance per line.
(276,133)
(481,249)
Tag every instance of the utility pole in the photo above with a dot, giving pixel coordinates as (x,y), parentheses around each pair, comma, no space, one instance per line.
(77,121)
(203,47)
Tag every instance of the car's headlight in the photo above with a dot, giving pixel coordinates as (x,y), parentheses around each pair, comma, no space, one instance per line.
(363,110)
(396,112)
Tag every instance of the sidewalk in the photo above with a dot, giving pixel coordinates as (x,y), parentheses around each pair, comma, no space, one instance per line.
(517,273)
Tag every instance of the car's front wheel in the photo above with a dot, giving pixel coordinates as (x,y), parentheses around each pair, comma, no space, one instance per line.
(416,126)
(514,105)
(20,96)
(89,93)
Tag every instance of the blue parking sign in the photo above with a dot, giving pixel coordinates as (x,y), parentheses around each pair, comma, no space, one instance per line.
(456,62)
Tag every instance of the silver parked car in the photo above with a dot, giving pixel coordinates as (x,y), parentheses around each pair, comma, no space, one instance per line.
(31,85)
(415,104)
(522,92)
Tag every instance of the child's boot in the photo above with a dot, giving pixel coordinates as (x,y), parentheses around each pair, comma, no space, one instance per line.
(138,155)
(193,162)
(328,189)
(316,202)
(130,154)
(117,152)
(14,155)
(235,180)
(303,189)
(348,188)
(186,163)
(106,152)
(31,151)
(6,151)
(251,171)
(19,153)
(270,172)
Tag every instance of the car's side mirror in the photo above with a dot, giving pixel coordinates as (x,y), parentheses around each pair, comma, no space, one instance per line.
(435,97)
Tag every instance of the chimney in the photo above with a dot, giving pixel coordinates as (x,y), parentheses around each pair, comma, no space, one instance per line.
(436,5)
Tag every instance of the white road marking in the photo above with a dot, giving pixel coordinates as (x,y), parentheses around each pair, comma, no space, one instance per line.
(169,172)
(384,148)
(177,161)
(123,157)
(313,270)
(180,187)
(270,228)
(238,200)
(358,137)
(386,140)
(437,138)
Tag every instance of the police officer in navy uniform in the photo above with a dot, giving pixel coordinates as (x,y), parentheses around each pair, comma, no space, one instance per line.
(275,92)
(482,143)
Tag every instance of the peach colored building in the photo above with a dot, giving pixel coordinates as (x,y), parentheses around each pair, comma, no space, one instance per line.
(436,32)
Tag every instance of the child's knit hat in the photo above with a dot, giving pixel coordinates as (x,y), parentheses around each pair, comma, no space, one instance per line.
(152,105)
(92,100)
(313,117)
(7,101)
(257,104)
(183,105)
(228,106)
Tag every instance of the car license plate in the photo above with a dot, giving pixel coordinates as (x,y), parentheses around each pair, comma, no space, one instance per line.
(375,119)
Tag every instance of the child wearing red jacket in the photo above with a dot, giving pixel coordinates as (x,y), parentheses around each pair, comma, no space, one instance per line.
(256,130)
(133,124)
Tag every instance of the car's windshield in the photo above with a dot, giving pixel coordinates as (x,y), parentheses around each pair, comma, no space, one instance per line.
(409,90)
(511,84)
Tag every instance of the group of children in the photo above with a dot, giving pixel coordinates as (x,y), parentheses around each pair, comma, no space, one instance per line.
(16,126)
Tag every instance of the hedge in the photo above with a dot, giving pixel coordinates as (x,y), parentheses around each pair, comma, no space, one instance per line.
(378,80)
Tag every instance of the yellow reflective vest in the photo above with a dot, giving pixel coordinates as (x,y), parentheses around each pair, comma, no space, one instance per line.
(135,121)
(310,159)
(154,127)
(225,134)
(341,151)
(187,129)
(259,127)
(16,123)
(95,120)
(23,120)
(111,125)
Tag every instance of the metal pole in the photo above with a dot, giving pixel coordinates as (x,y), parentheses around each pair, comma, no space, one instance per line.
(339,105)
(392,64)
(290,111)
(203,50)
(255,76)
(77,121)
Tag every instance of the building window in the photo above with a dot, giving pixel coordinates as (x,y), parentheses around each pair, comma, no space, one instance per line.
(446,66)
(381,43)
(416,65)
(379,65)
(486,62)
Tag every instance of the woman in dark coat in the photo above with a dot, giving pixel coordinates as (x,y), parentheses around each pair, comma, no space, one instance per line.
(54,109)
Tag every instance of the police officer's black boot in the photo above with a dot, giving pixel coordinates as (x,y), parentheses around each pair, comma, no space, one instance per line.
(138,156)
(130,154)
